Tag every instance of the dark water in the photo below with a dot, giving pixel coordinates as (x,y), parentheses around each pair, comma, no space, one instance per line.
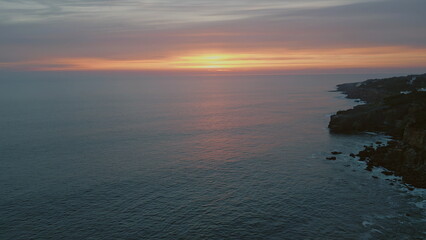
(91,157)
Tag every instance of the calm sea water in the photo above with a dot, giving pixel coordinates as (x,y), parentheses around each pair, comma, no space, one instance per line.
(137,157)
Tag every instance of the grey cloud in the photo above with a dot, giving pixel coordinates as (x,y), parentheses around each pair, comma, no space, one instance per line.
(158,11)
(78,30)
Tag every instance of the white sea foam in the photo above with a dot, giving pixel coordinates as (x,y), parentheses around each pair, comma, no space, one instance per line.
(366,223)
(421,204)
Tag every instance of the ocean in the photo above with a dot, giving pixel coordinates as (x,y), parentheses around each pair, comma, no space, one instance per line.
(130,156)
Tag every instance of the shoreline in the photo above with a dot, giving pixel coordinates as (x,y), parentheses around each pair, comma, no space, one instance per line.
(391,106)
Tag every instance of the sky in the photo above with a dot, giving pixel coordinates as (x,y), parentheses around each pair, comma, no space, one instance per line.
(212,35)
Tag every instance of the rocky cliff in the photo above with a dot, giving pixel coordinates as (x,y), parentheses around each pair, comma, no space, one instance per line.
(394,106)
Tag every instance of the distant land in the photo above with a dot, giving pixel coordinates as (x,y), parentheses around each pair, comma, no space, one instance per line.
(394,106)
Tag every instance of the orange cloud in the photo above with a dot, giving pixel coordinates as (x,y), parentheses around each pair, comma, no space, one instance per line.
(209,60)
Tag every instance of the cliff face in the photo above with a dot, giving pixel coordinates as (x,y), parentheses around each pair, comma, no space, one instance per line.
(415,137)
(394,106)
(393,115)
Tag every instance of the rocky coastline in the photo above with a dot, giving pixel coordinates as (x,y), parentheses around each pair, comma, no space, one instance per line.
(396,107)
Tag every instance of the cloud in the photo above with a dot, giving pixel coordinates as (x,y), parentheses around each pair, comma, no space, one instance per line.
(136,29)
(148,12)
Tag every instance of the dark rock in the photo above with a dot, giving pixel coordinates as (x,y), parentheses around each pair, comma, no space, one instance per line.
(378,142)
(336,153)
(352,155)
(387,173)
(403,160)
(375,177)
(331,158)
(415,136)
(366,153)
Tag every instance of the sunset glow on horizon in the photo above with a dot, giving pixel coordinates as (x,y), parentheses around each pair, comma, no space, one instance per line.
(246,62)
(212,36)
